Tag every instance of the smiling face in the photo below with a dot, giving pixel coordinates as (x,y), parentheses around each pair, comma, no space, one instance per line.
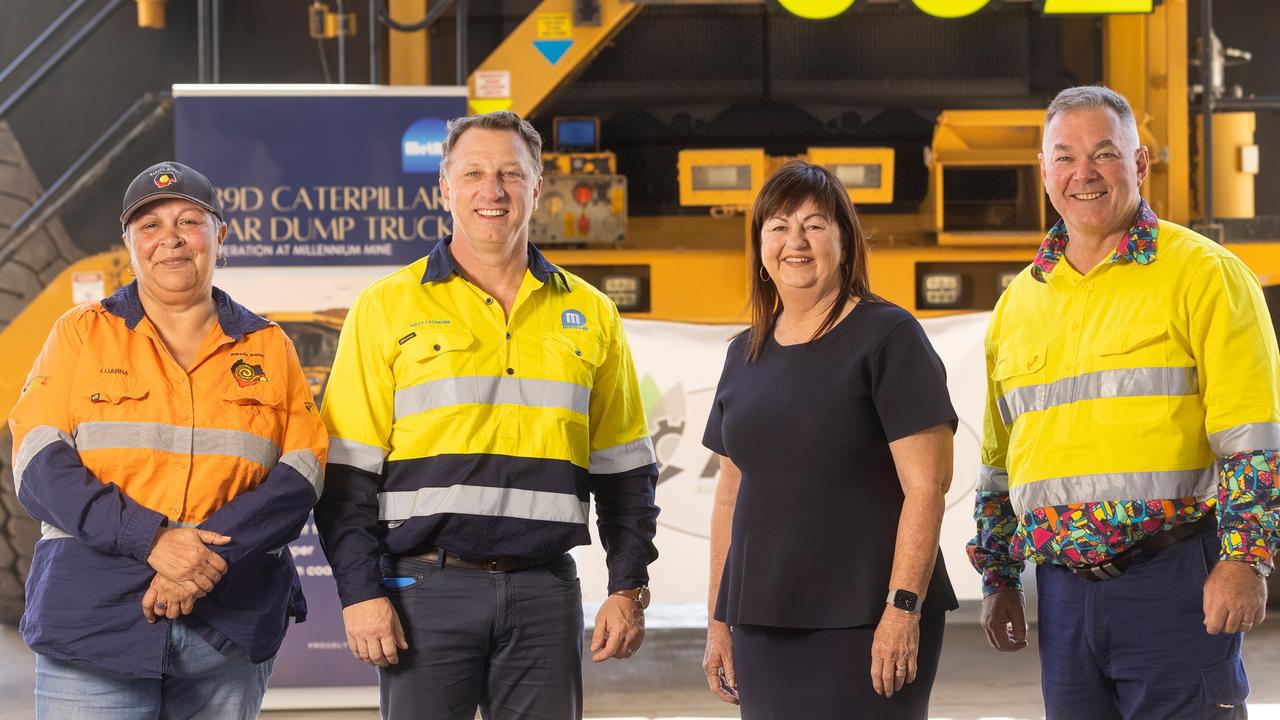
(802,250)
(173,245)
(1093,170)
(491,187)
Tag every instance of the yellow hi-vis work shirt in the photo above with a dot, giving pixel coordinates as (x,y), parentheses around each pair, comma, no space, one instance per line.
(456,427)
(1116,403)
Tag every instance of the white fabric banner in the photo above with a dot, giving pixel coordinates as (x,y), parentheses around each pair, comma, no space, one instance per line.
(679,365)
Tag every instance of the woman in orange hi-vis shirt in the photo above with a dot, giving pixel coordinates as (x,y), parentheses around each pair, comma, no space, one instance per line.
(168,441)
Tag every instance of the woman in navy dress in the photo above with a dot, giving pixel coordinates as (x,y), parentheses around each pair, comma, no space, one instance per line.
(834,430)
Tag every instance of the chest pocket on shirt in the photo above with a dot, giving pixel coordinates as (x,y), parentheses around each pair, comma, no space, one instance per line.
(257,408)
(436,370)
(1132,376)
(1019,376)
(110,397)
(436,354)
(574,359)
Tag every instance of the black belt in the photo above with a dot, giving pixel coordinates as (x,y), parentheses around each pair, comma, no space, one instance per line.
(1150,546)
(444,558)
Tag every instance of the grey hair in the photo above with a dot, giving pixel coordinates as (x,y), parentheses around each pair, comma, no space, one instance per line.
(1089,97)
(496,120)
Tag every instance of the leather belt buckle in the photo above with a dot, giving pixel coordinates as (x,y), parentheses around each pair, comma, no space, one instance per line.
(494,565)
(1113,568)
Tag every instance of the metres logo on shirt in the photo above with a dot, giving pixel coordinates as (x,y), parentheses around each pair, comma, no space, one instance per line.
(422,146)
(573,320)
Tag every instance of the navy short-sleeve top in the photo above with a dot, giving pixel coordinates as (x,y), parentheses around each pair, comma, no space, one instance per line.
(809,426)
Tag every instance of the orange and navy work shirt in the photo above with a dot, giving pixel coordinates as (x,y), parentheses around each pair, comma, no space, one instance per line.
(1125,401)
(113,440)
(457,426)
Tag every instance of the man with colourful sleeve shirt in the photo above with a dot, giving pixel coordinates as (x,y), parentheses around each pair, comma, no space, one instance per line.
(1130,442)
(479,398)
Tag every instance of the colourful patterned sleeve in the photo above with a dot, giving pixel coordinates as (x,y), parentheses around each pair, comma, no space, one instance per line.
(1249,506)
(989,549)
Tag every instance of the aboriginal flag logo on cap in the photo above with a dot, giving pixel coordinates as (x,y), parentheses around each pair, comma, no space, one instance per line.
(246,374)
(164,177)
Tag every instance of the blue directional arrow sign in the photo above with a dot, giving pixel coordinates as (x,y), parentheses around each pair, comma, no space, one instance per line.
(552,50)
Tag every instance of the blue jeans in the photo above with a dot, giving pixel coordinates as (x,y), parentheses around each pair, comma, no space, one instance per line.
(199,683)
(1135,647)
(508,643)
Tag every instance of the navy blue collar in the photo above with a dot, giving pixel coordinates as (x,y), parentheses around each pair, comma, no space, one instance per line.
(440,265)
(235,320)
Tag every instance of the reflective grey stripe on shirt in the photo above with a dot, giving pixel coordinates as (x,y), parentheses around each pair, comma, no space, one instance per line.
(356,454)
(1245,438)
(993,479)
(476,500)
(488,390)
(624,457)
(1166,484)
(1125,382)
(307,465)
(39,438)
(49,532)
(178,439)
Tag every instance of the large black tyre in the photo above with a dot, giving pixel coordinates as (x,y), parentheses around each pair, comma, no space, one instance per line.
(24,273)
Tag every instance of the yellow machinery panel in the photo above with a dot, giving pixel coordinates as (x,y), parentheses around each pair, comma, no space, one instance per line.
(721,177)
(867,173)
(985,178)
(598,163)
(580,210)
(1235,163)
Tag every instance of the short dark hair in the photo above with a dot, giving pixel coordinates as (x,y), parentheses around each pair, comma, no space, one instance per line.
(496,120)
(1088,97)
(788,189)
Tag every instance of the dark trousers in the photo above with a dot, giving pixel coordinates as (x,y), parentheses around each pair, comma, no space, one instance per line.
(826,674)
(509,644)
(1135,646)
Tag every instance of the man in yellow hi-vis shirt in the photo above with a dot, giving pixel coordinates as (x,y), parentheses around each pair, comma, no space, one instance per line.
(480,397)
(1130,442)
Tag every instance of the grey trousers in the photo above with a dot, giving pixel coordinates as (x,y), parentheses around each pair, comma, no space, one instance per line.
(509,644)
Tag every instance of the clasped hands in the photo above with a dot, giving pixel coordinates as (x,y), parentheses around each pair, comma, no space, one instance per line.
(186,570)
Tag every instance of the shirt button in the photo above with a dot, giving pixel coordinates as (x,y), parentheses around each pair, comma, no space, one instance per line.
(511,371)
(508,336)
(488,301)
(436,348)
(578,353)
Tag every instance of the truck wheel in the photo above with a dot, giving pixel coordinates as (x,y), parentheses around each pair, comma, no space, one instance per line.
(24,273)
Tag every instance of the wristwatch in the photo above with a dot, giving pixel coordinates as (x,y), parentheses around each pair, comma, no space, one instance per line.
(1262,567)
(904,600)
(640,595)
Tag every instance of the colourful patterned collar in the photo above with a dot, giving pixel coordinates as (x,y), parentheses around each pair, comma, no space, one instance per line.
(1138,244)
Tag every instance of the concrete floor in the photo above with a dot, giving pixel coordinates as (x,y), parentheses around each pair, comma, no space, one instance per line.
(664,681)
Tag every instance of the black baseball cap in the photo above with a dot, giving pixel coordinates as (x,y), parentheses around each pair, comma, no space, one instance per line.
(169,180)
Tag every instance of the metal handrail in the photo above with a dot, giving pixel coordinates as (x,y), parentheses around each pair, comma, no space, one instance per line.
(35,44)
(107,10)
(55,198)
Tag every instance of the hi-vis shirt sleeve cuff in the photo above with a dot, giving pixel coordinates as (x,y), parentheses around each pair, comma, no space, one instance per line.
(138,533)
(993,479)
(1245,438)
(621,458)
(356,454)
